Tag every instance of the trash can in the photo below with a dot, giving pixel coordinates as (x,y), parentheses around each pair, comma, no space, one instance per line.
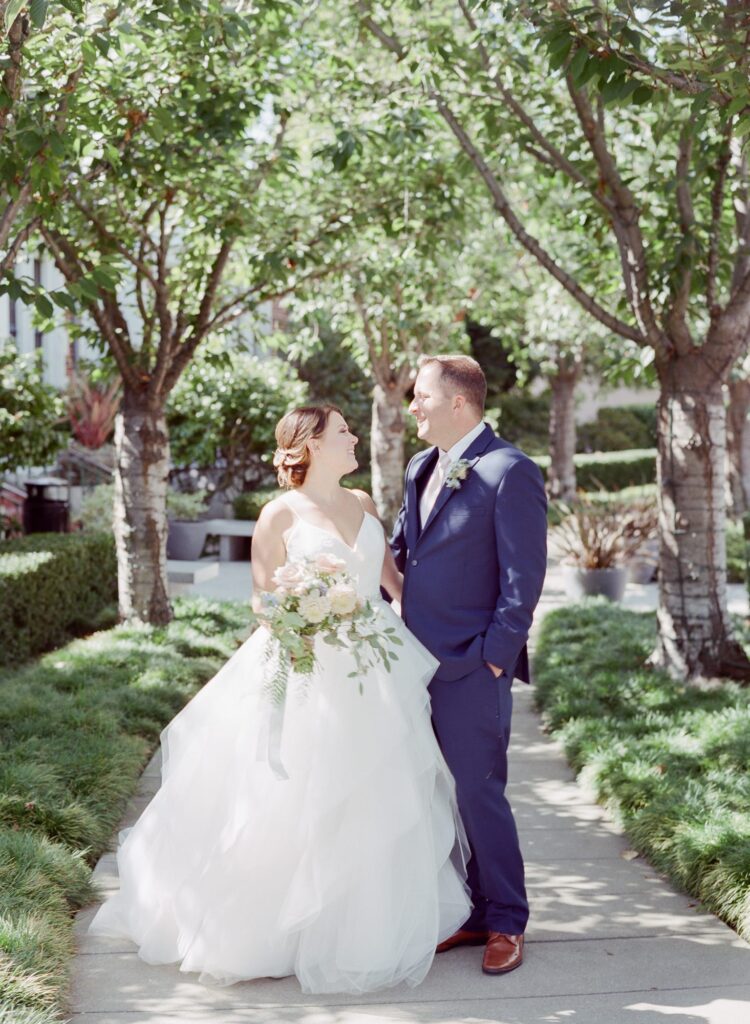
(46,508)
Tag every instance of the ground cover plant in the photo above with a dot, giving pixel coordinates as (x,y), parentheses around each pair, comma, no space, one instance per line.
(77,728)
(669,760)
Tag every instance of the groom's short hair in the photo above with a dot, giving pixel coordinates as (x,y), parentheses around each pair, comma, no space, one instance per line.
(463,376)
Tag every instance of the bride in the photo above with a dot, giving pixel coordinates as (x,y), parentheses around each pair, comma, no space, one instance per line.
(351,869)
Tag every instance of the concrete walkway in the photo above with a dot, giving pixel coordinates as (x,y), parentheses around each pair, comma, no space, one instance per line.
(609,941)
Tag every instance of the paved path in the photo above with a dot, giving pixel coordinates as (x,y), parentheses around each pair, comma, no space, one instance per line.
(609,942)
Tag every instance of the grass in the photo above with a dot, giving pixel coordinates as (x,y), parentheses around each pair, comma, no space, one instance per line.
(668,760)
(76,729)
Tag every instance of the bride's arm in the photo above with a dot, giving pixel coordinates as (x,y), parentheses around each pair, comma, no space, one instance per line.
(269,550)
(391,579)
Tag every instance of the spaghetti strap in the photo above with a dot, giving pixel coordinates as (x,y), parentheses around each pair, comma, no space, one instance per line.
(283,499)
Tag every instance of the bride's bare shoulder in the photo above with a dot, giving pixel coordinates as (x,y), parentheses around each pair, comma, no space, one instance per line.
(366,502)
(275,518)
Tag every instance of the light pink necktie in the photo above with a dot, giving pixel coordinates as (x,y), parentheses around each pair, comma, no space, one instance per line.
(431,491)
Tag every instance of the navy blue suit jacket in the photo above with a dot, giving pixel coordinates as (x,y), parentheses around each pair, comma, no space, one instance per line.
(474,571)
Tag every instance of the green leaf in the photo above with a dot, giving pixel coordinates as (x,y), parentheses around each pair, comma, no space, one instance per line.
(579,62)
(102,43)
(560,54)
(738,103)
(63,300)
(614,89)
(643,94)
(38,12)
(103,278)
(43,305)
(12,11)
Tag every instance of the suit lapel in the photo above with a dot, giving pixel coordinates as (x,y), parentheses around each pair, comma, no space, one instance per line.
(472,456)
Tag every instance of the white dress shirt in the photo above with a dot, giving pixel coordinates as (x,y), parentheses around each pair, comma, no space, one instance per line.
(456,451)
(441,469)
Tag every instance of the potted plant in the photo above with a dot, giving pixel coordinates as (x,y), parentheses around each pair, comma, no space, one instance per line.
(187,534)
(595,539)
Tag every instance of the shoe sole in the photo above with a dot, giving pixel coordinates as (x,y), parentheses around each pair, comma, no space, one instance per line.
(501,970)
(466,942)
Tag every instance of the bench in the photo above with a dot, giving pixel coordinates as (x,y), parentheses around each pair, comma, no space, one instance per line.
(232,534)
(181,575)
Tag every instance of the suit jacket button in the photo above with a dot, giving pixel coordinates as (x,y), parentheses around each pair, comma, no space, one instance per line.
(413,561)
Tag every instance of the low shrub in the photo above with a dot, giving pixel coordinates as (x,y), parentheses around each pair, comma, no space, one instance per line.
(610,471)
(736,552)
(76,729)
(523,419)
(618,428)
(248,505)
(53,586)
(669,760)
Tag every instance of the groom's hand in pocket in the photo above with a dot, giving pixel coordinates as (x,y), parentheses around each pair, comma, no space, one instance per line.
(497,672)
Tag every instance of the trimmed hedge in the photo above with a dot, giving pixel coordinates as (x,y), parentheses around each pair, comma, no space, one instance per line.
(54,586)
(619,428)
(611,471)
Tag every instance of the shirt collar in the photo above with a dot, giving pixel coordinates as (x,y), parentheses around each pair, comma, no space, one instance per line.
(456,451)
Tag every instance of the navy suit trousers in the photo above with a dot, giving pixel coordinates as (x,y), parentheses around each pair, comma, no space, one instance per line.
(471,717)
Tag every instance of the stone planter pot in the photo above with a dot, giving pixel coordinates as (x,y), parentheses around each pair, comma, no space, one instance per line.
(185,539)
(608,583)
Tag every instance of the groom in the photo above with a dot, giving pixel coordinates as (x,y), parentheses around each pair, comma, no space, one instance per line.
(470,540)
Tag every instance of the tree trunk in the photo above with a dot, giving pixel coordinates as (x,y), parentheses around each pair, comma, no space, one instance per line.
(561,479)
(142,465)
(738,447)
(695,635)
(387,450)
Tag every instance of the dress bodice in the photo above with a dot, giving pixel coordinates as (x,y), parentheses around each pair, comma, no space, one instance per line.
(364,560)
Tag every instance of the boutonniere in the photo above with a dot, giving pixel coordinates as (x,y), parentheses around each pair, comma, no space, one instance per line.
(457,474)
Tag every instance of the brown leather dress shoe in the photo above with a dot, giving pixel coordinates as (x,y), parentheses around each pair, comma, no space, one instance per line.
(503,953)
(463,938)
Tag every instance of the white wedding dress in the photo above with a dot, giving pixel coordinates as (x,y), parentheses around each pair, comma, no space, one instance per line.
(349,872)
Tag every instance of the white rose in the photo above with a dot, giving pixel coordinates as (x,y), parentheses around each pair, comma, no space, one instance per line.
(329,563)
(343,598)
(314,607)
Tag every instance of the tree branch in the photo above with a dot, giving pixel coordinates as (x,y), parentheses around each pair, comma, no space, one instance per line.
(18,34)
(741,214)
(677,313)
(390,42)
(553,155)
(717,204)
(531,244)
(106,235)
(72,268)
(168,372)
(625,217)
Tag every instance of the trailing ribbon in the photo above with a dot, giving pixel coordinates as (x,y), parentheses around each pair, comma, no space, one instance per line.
(275,732)
(275,686)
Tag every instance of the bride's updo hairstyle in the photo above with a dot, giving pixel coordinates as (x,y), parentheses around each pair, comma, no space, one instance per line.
(293,431)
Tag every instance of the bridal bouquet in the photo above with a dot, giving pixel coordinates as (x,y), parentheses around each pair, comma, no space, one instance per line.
(317,597)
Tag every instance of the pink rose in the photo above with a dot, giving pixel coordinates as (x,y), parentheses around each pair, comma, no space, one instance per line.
(329,563)
(289,575)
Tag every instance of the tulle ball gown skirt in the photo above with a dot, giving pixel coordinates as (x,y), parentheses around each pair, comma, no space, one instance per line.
(347,873)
